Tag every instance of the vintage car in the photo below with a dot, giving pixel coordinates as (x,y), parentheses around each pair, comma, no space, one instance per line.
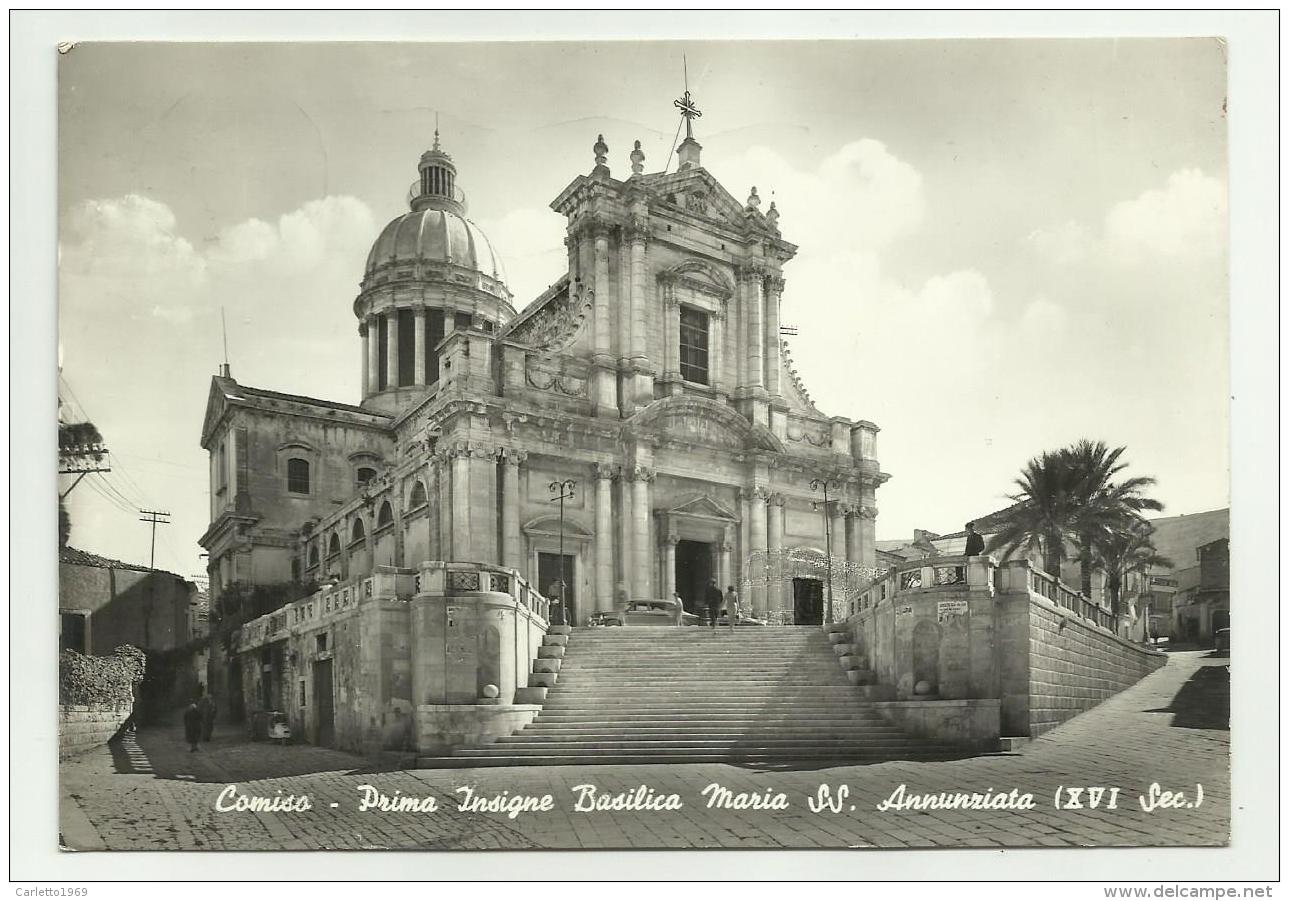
(1222,640)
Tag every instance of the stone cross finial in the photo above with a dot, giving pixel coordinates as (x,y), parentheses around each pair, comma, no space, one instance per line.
(637,160)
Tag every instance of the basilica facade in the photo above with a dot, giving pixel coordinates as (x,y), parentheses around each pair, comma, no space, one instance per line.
(649,386)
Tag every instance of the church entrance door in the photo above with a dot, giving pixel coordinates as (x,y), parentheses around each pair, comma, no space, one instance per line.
(693,569)
(550,572)
(807,602)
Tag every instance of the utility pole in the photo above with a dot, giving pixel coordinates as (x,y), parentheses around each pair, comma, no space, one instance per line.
(154,517)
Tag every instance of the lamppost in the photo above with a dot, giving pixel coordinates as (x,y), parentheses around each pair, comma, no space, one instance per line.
(562,491)
(815,485)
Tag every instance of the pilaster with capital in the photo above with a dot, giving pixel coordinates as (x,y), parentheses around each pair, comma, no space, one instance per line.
(759,551)
(641,505)
(604,474)
(512,553)
(362,334)
(773,341)
(751,280)
(669,565)
(716,345)
(373,354)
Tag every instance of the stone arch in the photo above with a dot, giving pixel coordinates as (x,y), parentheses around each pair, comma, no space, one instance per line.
(700,275)
(418,497)
(702,420)
(385,517)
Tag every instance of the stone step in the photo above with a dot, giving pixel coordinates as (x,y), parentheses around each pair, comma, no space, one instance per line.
(804,736)
(518,745)
(787,750)
(745,756)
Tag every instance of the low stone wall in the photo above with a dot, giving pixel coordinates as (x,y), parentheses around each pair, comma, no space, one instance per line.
(442,728)
(969,724)
(83,727)
(1074,666)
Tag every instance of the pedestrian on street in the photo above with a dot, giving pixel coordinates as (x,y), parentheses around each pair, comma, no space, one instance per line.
(731,606)
(975,541)
(207,707)
(714,601)
(192,725)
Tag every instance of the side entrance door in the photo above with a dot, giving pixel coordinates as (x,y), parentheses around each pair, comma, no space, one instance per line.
(324,700)
(808,602)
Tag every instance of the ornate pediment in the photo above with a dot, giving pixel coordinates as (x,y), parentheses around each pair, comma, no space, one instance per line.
(222,390)
(696,420)
(698,193)
(703,507)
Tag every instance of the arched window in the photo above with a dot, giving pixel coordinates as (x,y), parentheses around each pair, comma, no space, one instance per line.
(297,476)
(419,498)
(386,516)
(333,549)
(358,533)
(313,556)
(364,475)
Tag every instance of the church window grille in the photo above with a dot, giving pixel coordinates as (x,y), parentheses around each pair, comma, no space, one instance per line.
(385,517)
(297,476)
(364,475)
(693,345)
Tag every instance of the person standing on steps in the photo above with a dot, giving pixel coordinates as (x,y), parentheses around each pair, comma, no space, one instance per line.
(714,600)
(975,541)
(731,607)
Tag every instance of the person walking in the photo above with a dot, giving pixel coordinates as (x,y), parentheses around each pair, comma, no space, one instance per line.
(207,707)
(192,725)
(731,606)
(714,600)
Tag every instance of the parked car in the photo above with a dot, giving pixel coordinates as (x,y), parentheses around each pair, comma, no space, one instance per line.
(647,612)
(1222,640)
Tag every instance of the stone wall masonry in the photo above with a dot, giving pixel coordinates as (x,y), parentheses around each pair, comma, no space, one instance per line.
(1073,666)
(84,727)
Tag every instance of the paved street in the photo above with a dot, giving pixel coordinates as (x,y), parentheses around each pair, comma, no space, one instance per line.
(1171,729)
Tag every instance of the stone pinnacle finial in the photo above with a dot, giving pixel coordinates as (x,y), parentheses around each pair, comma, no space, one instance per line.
(772,215)
(753,200)
(601,151)
(637,160)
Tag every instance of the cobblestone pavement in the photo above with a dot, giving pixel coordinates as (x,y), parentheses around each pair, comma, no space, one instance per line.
(1170,729)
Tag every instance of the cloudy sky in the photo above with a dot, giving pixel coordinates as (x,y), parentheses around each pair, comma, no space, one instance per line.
(1005,246)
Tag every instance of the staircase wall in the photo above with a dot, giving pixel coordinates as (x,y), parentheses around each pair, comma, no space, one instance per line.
(968,628)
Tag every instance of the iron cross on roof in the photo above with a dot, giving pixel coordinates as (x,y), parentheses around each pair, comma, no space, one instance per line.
(690,111)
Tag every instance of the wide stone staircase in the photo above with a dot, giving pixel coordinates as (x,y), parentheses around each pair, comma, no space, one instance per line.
(641,694)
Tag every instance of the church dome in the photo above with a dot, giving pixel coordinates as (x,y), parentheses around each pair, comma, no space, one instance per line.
(435,237)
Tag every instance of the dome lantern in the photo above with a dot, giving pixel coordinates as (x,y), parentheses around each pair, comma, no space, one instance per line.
(438,190)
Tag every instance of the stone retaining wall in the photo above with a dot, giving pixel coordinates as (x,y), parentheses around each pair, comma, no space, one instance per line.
(1074,666)
(82,728)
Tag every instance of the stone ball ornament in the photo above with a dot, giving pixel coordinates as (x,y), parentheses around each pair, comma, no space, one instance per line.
(491,691)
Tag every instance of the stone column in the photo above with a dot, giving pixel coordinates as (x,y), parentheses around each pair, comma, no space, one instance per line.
(774,544)
(391,350)
(462,545)
(418,375)
(373,353)
(602,359)
(755,329)
(443,465)
(642,577)
(758,541)
(744,542)
(773,353)
(853,537)
(669,567)
(512,553)
(724,561)
(639,320)
(671,328)
(366,373)
(603,537)
(626,527)
(839,610)
(867,527)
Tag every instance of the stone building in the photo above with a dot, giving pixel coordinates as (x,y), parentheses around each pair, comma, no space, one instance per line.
(103,604)
(652,375)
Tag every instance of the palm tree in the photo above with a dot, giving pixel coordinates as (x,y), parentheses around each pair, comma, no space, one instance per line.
(1104,508)
(1044,510)
(1127,551)
(1070,497)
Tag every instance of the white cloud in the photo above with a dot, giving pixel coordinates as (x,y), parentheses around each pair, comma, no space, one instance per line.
(128,237)
(1187,217)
